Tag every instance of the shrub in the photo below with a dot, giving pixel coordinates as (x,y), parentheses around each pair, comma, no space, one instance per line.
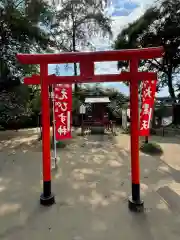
(13,110)
(59,144)
(151,148)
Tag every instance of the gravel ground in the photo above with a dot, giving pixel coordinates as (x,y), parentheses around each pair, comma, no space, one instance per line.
(91,186)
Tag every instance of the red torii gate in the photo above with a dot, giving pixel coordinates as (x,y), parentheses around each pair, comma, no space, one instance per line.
(86,60)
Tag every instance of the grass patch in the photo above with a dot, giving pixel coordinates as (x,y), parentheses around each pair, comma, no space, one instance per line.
(59,144)
(151,148)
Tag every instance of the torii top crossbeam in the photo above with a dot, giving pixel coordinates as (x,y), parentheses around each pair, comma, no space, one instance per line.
(87,60)
(99,56)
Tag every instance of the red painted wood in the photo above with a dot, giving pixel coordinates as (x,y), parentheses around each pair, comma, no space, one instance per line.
(87,69)
(134,115)
(133,55)
(45,124)
(71,57)
(125,76)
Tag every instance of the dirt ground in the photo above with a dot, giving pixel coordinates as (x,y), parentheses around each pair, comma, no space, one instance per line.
(91,187)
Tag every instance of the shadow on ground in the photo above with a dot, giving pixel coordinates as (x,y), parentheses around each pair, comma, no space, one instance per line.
(166,139)
(92,185)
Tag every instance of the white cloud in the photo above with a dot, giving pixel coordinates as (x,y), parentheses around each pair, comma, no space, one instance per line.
(106,68)
(118,23)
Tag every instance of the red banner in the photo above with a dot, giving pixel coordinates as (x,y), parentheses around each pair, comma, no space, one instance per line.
(63,110)
(147,96)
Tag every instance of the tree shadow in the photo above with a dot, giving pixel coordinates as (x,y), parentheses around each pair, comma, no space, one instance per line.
(171,198)
(165,139)
(105,182)
(20,188)
(23,139)
(92,184)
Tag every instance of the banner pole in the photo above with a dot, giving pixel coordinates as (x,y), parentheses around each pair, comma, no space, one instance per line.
(54,131)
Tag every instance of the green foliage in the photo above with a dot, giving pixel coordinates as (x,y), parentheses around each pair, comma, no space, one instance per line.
(59,144)
(35,104)
(21,106)
(159,26)
(77,22)
(19,33)
(129,36)
(151,148)
(24,27)
(117,98)
(29,26)
(13,108)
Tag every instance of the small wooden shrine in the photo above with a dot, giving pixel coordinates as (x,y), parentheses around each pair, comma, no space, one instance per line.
(96,117)
(97,110)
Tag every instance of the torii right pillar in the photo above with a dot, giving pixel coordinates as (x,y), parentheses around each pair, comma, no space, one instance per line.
(135,202)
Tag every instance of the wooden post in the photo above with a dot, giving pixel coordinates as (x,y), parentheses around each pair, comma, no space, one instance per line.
(46,197)
(135,203)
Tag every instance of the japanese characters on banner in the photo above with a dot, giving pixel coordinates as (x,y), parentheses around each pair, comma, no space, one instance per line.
(147,96)
(63,110)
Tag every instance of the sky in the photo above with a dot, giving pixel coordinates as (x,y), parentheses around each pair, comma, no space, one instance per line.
(122,12)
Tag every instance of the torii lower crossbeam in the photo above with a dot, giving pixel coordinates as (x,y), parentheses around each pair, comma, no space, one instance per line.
(53,79)
(86,61)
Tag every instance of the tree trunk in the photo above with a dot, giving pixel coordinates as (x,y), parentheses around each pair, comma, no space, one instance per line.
(170,86)
(75,74)
(146,139)
(172,94)
(74,50)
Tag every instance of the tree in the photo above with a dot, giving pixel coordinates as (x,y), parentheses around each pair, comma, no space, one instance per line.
(159,26)
(117,99)
(20,32)
(14,107)
(77,21)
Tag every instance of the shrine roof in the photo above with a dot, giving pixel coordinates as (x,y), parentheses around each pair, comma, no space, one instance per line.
(97,100)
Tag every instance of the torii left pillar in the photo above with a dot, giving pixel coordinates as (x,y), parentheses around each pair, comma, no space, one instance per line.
(46,198)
